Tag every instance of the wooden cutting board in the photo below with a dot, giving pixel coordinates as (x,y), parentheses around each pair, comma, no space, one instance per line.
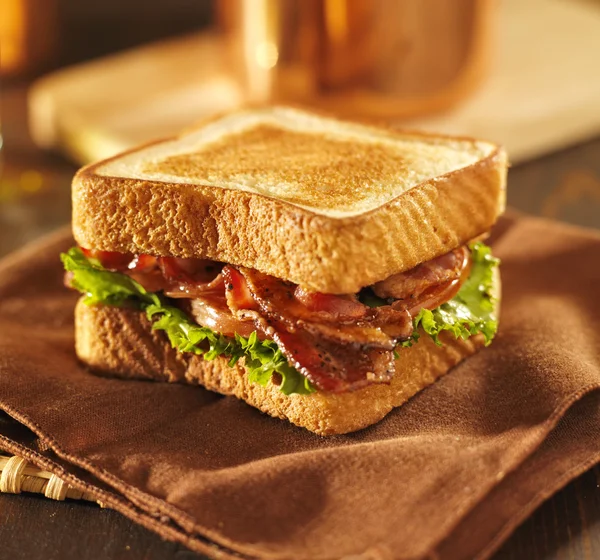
(543,92)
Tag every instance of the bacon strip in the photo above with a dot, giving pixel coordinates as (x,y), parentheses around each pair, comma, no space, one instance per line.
(331,366)
(238,294)
(410,285)
(322,339)
(275,299)
(338,308)
(212,311)
(335,345)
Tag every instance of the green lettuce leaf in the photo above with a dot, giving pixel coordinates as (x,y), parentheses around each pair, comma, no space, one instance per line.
(103,286)
(263,358)
(471,311)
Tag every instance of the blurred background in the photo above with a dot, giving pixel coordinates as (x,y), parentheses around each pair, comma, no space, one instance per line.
(83,80)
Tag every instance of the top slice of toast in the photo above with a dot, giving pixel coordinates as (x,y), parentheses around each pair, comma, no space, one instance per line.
(328,204)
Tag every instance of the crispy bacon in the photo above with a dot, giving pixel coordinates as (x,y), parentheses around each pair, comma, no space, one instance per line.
(190,278)
(277,298)
(188,271)
(330,366)
(238,295)
(413,283)
(342,308)
(432,297)
(396,323)
(212,311)
(194,289)
(337,345)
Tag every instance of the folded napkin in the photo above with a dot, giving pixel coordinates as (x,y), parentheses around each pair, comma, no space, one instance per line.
(448,475)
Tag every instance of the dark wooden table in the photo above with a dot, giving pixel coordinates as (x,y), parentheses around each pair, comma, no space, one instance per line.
(34,199)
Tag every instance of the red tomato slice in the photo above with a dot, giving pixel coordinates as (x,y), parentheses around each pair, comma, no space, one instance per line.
(110,259)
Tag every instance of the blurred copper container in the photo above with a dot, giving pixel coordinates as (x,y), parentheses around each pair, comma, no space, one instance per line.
(378,58)
(28,32)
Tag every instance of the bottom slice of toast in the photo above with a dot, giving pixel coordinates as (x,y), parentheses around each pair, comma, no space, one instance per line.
(121,343)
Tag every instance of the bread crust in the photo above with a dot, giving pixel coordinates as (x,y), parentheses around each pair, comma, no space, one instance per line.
(120,342)
(321,253)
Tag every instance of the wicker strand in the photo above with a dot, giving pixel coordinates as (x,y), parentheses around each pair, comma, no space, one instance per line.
(17,475)
(10,480)
(56,489)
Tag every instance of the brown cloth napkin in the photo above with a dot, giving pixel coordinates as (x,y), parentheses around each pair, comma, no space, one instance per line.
(449,475)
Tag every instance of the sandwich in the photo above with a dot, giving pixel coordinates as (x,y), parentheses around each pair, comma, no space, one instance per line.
(320,270)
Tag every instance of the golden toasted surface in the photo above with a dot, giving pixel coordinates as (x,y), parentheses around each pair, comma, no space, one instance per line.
(304,168)
(334,168)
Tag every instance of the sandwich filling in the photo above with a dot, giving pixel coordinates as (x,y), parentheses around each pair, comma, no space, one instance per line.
(301,341)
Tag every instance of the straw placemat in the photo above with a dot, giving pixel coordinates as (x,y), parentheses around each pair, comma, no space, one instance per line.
(17,475)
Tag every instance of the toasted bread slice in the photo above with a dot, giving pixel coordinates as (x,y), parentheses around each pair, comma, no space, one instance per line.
(120,342)
(331,205)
